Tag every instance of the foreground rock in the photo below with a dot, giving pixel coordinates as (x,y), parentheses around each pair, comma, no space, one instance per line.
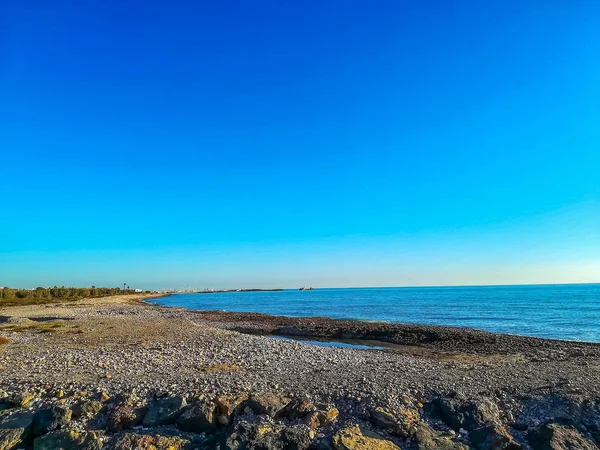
(352,438)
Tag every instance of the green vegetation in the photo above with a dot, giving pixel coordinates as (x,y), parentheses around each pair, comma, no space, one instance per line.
(11,297)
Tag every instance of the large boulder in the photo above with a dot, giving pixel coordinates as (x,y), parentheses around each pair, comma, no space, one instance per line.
(12,438)
(559,437)
(87,408)
(15,430)
(493,437)
(124,417)
(268,404)
(401,423)
(229,406)
(163,411)
(427,438)
(50,419)
(68,440)
(298,408)
(199,418)
(265,435)
(352,438)
(460,413)
(137,441)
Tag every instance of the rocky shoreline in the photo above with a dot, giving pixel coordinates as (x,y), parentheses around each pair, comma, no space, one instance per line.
(117,373)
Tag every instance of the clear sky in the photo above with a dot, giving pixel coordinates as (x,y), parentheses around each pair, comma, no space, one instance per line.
(289,143)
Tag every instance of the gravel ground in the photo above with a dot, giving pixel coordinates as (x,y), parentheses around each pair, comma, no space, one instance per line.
(119,344)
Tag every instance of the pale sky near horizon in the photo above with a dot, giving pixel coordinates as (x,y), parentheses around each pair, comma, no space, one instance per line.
(286,144)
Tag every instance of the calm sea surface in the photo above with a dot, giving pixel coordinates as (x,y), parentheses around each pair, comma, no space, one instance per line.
(552,311)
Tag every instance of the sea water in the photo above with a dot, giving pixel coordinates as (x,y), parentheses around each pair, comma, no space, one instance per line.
(569,312)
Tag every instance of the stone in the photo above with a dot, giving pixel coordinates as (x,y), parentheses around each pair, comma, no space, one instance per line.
(428,439)
(199,418)
(469,415)
(136,441)
(298,408)
(254,435)
(124,417)
(268,404)
(328,417)
(312,420)
(87,408)
(493,437)
(12,438)
(50,419)
(559,437)
(163,411)
(22,399)
(297,437)
(352,438)
(400,424)
(68,440)
(229,406)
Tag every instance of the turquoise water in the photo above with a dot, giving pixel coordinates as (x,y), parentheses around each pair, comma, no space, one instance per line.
(552,311)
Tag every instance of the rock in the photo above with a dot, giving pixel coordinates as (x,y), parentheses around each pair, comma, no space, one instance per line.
(68,440)
(255,435)
(559,437)
(87,409)
(22,399)
(12,438)
(298,408)
(297,437)
(268,404)
(493,437)
(328,417)
(50,419)
(136,441)
(351,438)
(164,410)
(428,439)
(124,417)
(104,397)
(199,418)
(400,424)
(459,413)
(229,406)
(312,420)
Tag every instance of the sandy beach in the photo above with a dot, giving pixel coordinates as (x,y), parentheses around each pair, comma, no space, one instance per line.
(228,383)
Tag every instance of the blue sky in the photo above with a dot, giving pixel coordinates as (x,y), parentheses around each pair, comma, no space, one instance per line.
(241,144)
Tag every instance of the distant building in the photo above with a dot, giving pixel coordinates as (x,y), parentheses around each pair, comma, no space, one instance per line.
(138,290)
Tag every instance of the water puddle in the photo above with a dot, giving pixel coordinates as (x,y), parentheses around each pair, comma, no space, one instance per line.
(339,344)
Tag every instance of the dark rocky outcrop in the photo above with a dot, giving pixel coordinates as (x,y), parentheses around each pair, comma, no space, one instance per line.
(50,419)
(553,436)
(199,418)
(163,411)
(68,440)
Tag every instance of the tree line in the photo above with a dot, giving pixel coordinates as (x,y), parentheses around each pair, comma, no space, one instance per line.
(41,294)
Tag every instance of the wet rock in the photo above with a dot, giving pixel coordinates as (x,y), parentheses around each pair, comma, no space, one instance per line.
(298,408)
(68,440)
(268,404)
(136,441)
(351,438)
(199,418)
(124,417)
(400,424)
(163,411)
(50,419)
(493,437)
(469,415)
(559,437)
